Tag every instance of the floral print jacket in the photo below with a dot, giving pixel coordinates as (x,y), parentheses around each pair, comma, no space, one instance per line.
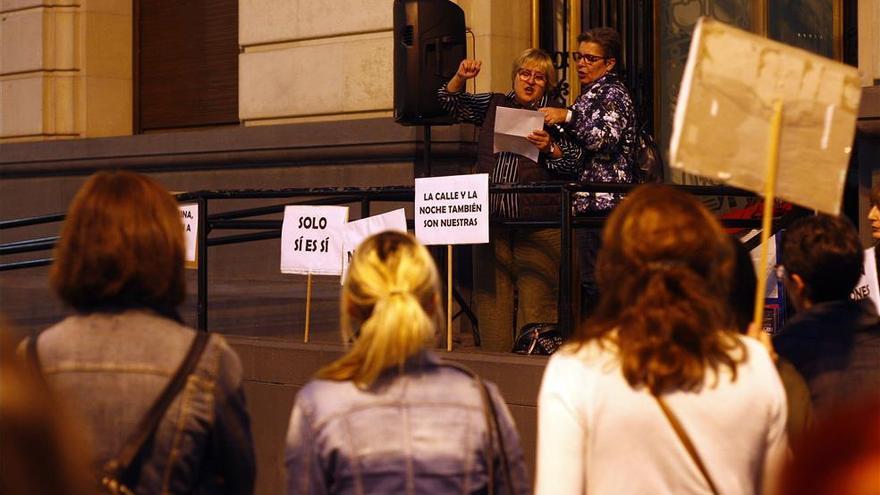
(604,122)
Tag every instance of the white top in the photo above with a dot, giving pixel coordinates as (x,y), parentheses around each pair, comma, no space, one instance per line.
(598,435)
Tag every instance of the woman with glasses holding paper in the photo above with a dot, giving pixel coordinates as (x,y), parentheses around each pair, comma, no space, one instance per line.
(603,118)
(603,121)
(525,259)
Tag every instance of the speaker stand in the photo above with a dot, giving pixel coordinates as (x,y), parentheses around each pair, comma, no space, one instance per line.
(427,149)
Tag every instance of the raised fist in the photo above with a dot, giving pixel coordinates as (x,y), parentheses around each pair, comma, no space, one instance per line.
(468,69)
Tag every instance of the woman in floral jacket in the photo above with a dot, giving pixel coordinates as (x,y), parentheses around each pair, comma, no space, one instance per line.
(603,117)
(603,120)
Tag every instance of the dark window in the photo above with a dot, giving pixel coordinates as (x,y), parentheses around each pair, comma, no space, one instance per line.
(186,64)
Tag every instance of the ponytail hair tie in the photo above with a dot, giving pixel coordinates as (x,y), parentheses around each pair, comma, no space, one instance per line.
(664,265)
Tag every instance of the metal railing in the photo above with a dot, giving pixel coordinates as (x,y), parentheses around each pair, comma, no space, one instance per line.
(243,219)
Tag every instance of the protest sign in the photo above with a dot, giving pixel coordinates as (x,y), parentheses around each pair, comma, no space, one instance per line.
(731,82)
(189,215)
(311,239)
(452,210)
(356,231)
(868,287)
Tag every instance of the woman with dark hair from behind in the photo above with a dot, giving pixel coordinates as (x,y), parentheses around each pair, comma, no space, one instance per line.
(389,416)
(662,337)
(119,265)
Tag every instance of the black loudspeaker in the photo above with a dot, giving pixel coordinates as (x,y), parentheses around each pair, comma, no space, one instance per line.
(429,43)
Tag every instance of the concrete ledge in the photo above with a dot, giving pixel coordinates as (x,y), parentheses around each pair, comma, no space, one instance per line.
(275,370)
(366,140)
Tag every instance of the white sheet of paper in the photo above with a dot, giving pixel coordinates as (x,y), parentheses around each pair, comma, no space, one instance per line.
(512,125)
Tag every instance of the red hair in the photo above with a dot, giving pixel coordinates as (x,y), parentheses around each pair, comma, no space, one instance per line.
(122,246)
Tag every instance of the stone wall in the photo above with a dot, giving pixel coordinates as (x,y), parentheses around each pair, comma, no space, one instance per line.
(303,60)
(65,69)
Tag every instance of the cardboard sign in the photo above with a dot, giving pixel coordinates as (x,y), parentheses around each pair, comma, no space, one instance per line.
(868,287)
(452,209)
(355,232)
(311,239)
(189,215)
(722,118)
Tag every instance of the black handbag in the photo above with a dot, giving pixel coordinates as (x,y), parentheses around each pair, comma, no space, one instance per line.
(113,477)
(540,339)
(648,161)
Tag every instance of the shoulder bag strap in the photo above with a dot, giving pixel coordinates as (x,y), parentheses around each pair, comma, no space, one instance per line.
(492,428)
(150,421)
(686,441)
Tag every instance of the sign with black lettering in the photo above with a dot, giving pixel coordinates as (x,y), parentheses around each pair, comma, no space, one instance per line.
(868,287)
(452,209)
(311,239)
(189,216)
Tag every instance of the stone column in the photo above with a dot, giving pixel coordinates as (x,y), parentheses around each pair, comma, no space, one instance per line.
(65,69)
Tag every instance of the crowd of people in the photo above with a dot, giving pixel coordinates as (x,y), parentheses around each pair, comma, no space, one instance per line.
(661,390)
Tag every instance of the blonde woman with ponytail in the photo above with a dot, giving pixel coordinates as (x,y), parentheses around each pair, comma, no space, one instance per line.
(389,416)
(661,337)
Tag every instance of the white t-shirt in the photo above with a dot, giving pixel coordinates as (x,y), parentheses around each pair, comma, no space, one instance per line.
(598,435)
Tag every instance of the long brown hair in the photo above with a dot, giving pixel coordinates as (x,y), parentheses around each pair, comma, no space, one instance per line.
(663,275)
(122,246)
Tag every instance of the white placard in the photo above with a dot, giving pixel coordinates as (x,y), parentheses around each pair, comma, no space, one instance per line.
(189,215)
(868,287)
(512,125)
(772,290)
(452,209)
(311,239)
(355,232)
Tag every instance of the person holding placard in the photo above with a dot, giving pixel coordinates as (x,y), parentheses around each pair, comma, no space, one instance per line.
(659,393)
(523,260)
(390,416)
(119,265)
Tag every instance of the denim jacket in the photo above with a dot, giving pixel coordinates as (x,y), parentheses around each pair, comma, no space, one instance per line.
(422,431)
(109,368)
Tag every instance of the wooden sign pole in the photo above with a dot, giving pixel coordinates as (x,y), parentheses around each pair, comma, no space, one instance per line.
(308,306)
(767,220)
(449,298)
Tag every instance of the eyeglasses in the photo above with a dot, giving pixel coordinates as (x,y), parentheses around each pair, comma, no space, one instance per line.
(526,74)
(587,57)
